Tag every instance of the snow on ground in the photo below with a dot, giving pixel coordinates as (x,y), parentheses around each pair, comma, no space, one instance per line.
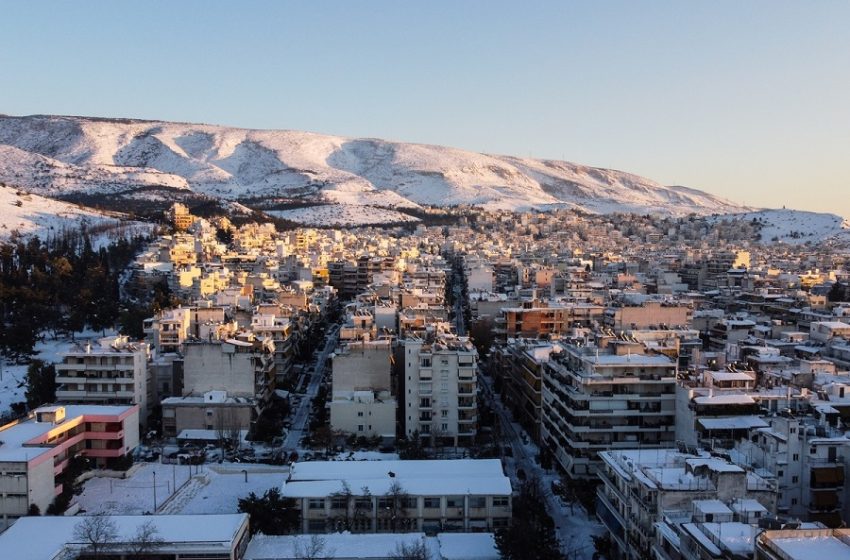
(342,215)
(794,227)
(49,351)
(30,214)
(12,387)
(202,489)
(221,487)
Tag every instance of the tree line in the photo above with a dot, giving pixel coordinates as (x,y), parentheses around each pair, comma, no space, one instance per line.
(61,287)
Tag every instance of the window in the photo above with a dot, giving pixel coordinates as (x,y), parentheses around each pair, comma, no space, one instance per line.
(410,503)
(444,413)
(477,501)
(339,502)
(500,522)
(363,503)
(454,501)
(316,503)
(432,503)
(781,473)
(385,503)
(444,427)
(796,456)
(500,501)
(359,427)
(793,501)
(794,479)
(360,414)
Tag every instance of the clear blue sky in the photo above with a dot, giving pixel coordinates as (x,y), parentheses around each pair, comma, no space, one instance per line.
(748,100)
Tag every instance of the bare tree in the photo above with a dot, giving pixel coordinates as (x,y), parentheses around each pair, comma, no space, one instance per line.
(146,540)
(351,511)
(313,549)
(394,507)
(410,551)
(228,429)
(96,532)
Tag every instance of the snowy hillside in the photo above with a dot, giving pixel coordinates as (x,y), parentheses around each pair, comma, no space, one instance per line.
(127,159)
(30,214)
(342,215)
(796,226)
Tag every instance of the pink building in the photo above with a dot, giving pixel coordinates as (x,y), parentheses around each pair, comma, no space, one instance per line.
(35,451)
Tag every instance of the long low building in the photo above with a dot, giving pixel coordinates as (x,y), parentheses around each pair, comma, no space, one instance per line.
(35,451)
(377,496)
(174,537)
(385,546)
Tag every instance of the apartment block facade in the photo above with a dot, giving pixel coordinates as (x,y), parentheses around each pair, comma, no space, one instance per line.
(112,371)
(438,381)
(600,399)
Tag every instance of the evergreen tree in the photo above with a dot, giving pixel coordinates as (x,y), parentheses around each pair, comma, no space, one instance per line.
(41,384)
(531,533)
(271,514)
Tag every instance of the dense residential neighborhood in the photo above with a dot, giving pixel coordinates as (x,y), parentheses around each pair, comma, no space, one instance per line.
(533,385)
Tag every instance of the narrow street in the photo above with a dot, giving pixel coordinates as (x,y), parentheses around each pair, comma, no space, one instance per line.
(302,414)
(572,525)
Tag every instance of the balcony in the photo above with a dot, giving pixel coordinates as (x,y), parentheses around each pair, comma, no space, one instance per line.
(104,453)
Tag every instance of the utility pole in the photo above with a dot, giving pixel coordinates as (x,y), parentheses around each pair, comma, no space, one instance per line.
(154,491)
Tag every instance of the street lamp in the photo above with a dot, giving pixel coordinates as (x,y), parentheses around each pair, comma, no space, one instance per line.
(154,491)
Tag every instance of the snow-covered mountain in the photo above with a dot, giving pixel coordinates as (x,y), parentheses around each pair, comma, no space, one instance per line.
(124,160)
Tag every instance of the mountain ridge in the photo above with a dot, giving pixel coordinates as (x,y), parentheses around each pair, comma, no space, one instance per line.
(63,156)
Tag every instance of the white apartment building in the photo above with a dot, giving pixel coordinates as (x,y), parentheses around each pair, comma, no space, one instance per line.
(112,371)
(438,381)
(645,492)
(600,399)
(361,399)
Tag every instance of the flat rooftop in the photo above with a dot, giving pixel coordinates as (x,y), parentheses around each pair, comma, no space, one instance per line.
(418,478)
(44,538)
(14,437)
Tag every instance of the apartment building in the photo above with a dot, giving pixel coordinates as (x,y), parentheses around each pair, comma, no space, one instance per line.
(362,402)
(437,383)
(212,411)
(522,381)
(382,496)
(243,367)
(36,450)
(600,399)
(113,370)
(807,460)
(645,492)
(534,319)
(649,314)
(281,331)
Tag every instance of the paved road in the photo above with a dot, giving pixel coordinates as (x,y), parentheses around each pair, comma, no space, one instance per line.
(302,414)
(571,531)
